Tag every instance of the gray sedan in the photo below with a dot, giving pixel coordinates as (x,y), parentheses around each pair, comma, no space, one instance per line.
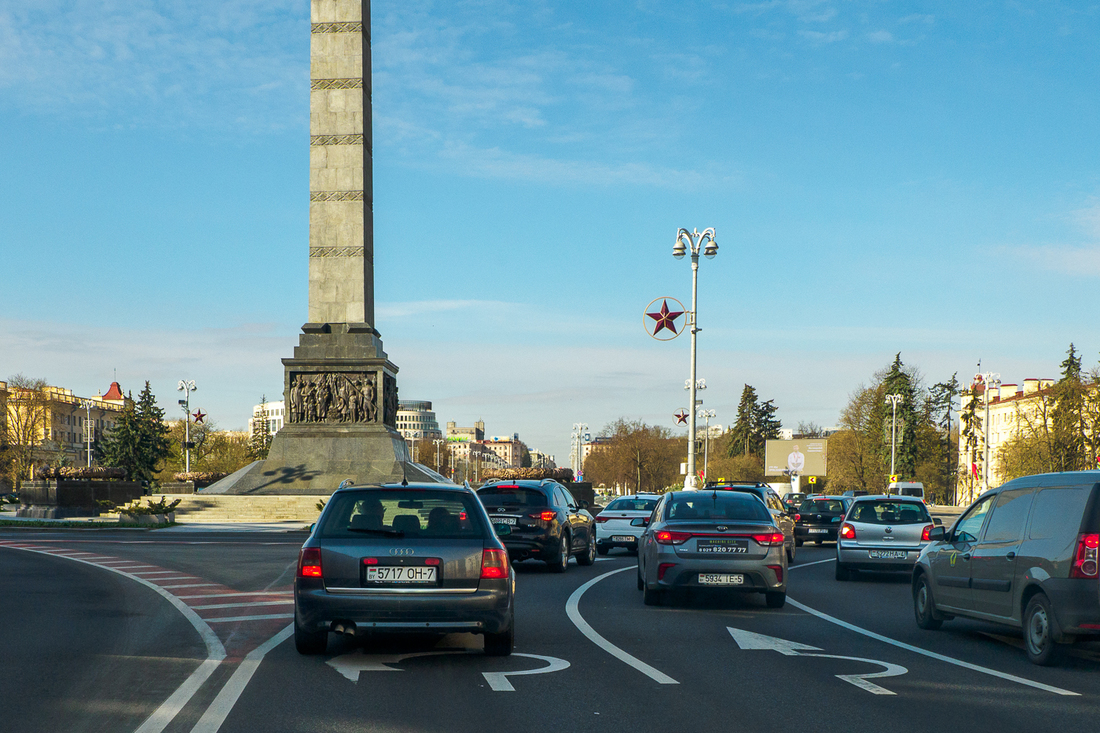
(421,557)
(712,539)
(882,533)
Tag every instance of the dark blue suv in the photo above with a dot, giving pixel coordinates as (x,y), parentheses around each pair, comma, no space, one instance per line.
(546,522)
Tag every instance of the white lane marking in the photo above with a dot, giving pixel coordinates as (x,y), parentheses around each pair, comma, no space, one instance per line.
(572,610)
(925,652)
(143,573)
(238,595)
(189,585)
(808,564)
(860,680)
(498,681)
(352,664)
(215,652)
(243,605)
(751,640)
(249,618)
(216,714)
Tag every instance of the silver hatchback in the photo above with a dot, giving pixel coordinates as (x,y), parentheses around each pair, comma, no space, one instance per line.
(712,539)
(885,533)
(400,558)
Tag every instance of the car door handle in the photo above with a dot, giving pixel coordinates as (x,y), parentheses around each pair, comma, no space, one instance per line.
(1010,556)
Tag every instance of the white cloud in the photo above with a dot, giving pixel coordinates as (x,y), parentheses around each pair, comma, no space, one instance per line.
(880,37)
(819,37)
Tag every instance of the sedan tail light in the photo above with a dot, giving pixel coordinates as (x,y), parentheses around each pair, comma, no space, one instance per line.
(1085,562)
(664,537)
(772,539)
(309,563)
(601,519)
(494,564)
(847,532)
(926,533)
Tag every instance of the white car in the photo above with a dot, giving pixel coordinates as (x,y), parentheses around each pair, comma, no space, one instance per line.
(613,523)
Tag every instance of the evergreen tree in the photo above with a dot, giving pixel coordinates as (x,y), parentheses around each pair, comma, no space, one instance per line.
(139,440)
(765,424)
(741,434)
(898,381)
(259,443)
(1068,416)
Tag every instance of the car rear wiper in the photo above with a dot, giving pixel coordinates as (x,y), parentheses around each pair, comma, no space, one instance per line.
(378,532)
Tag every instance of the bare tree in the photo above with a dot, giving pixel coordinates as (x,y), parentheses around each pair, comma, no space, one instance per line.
(26,429)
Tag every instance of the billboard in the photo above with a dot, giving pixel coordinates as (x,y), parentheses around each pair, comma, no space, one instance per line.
(805,456)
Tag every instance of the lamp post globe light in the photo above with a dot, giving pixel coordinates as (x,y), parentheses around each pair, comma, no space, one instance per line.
(187,387)
(438,442)
(693,241)
(893,399)
(575,460)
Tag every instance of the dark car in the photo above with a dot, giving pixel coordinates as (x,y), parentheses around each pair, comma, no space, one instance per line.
(793,500)
(401,558)
(818,519)
(711,539)
(546,522)
(1024,555)
(779,511)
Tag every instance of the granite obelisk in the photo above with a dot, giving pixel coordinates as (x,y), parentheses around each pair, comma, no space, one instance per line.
(340,388)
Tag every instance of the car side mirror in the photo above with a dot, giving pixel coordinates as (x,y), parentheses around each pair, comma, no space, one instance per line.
(502,529)
(937,521)
(639,522)
(937,534)
(583,504)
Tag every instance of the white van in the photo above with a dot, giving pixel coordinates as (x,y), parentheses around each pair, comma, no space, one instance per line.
(908,488)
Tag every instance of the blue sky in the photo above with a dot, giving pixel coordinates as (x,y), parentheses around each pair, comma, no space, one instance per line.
(882,176)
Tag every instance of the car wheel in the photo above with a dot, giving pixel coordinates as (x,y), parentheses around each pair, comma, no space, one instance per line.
(1039,632)
(602,550)
(501,645)
(560,562)
(798,543)
(790,552)
(842,571)
(309,642)
(589,556)
(924,607)
(641,583)
(653,597)
(775,599)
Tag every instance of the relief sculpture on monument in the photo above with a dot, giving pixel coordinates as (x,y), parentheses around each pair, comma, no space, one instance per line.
(332,397)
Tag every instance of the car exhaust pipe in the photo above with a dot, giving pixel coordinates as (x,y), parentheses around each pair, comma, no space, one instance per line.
(347,628)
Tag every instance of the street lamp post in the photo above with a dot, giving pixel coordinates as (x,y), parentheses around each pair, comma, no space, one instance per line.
(706,415)
(187,387)
(989,380)
(893,399)
(438,442)
(693,240)
(89,433)
(577,437)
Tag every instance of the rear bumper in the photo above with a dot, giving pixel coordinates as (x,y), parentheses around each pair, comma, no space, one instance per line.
(684,573)
(813,532)
(1076,605)
(486,610)
(858,558)
(604,537)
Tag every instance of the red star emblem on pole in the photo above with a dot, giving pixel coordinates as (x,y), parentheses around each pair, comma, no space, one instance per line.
(665,318)
(682,417)
(199,415)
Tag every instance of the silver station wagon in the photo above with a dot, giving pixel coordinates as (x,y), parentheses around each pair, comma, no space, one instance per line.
(885,533)
(400,558)
(1024,555)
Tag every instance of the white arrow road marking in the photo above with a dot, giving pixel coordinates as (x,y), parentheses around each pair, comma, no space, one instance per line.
(351,664)
(499,680)
(751,640)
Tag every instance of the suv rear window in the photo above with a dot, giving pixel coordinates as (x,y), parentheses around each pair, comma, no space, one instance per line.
(632,505)
(403,513)
(512,496)
(717,505)
(890,512)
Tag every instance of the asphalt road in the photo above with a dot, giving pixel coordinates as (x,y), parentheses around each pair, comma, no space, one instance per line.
(188,632)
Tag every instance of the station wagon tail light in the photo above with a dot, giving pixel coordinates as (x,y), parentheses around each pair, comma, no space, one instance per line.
(772,539)
(309,563)
(370,560)
(847,531)
(664,537)
(431,561)
(494,564)
(1085,563)
(926,533)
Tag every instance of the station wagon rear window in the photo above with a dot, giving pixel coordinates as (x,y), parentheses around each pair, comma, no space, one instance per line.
(890,512)
(403,514)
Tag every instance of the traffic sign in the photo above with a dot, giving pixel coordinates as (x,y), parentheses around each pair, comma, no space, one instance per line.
(813,479)
(894,479)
